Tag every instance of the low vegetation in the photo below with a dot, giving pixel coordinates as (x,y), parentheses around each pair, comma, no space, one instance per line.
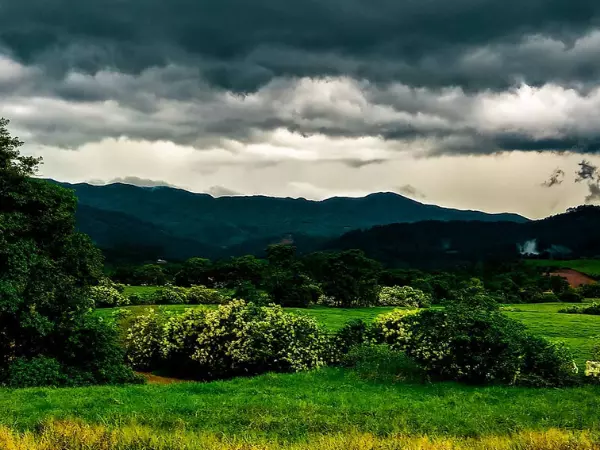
(592,309)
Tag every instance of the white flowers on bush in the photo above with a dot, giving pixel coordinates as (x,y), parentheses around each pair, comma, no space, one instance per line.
(201,295)
(169,296)
(234,339)
(144,338)
(393,328)
(592,370)
(107,296)
(406,296)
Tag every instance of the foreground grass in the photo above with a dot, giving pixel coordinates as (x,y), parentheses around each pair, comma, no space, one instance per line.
(78,436)
(293,407)
(590,267)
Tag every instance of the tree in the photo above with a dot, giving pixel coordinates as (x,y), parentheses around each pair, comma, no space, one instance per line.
(349,277)
(150,274)
(286,281)
(46,271)
(195,271)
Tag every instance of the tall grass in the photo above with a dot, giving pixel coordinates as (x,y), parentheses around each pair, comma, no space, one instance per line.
(78,436)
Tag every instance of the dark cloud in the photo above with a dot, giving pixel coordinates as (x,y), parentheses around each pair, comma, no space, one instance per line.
(358,163)
(222,191)
(206,74)
(141,182)
(410,191)
(586,172)
(240,45)
(556,178)
(594,195)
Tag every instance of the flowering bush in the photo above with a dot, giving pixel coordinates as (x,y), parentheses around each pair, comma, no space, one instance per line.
(169,296)
(404,296)
(393,328)
(354,333)
(201,295)
(592,371)
(144,339)
(234,339)
(107,297)
(481,345)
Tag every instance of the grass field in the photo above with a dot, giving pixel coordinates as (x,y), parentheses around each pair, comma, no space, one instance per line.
(590,267)
(330,408)
(293,406)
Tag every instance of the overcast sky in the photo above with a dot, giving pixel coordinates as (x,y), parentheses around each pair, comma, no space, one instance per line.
(463,103)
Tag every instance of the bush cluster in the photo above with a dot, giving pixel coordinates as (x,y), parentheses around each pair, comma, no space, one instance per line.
(238,338)
(89,354)
(107,297)
(592,309)
(393,328)
(481,345)
(406,296)
(590,290)
(570,295)
(172,295)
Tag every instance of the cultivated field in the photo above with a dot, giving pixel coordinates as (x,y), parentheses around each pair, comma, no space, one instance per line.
(590,267)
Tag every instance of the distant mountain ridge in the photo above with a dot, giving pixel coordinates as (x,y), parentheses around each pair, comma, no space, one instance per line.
(433,244)
(179,224)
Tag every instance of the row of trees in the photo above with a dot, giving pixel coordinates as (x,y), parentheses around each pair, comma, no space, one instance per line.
(346,278)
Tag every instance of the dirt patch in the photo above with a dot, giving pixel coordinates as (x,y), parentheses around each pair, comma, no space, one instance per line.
(157,379)
(574,278)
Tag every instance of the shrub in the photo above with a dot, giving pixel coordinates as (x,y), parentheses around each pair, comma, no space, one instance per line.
(168,296)
(94,355)
(480,345)
(235,339)
(393,328)
(34,372)
(404,296)
(353,333)
(201,295)
(542,297)
(144,339)
(242,338)
(546,363)
(570,296)
(140,299)
(592,371)
(380,362)
(88,354)
(107,297)
(590,290)
(593,309)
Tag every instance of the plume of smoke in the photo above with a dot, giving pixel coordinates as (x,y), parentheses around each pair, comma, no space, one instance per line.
(557,177)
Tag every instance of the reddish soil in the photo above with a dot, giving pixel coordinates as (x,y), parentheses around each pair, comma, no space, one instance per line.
(574,278)
(157,379)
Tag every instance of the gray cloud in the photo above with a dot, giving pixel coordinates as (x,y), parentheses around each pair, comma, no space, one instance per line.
(410,191)
(556,178)
(142,182)
(222,191)
(239,45)
(431,76)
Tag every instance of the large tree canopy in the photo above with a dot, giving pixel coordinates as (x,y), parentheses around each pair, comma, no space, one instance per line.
(46,270)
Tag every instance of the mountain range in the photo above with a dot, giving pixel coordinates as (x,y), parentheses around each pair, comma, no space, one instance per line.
(135,223)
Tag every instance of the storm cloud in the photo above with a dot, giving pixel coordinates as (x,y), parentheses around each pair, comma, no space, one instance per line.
(348,85)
